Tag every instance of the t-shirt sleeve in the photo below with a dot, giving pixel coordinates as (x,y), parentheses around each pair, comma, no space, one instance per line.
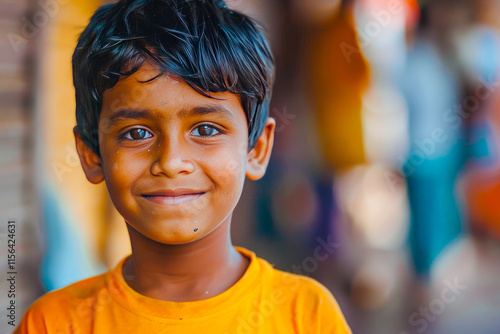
(321,313)
(48,314)
(330,317)
(32,321)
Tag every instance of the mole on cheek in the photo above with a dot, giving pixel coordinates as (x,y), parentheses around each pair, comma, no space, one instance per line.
(196,230)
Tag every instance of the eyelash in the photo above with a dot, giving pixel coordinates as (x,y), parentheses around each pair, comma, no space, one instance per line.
(127,136)
(124,136)
(219,131)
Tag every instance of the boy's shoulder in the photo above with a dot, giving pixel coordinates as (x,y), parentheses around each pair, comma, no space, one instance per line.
(290,282)
(77,299)
(303,297)
(73,293)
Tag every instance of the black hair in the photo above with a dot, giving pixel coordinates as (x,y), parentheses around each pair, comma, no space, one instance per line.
(211,47)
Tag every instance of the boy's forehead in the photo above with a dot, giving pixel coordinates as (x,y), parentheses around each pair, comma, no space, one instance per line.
(148,71)
(167,92)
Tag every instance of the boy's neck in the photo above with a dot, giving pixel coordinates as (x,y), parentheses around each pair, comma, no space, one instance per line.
(187,272)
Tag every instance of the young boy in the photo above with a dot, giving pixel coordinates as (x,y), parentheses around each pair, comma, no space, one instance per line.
(172,114)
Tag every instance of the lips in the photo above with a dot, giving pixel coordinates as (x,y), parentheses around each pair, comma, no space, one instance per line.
(173,196)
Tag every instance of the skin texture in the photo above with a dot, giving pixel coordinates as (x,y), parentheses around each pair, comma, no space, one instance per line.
(174,163)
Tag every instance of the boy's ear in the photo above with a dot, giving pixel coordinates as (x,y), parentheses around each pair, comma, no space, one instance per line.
(91,162)
(258,157)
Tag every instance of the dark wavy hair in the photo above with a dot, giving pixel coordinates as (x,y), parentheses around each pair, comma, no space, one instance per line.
(211,47)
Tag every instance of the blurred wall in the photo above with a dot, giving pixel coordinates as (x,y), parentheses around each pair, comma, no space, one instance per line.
(17,183)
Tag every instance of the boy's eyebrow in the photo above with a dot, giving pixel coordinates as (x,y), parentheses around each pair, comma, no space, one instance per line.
(184,113)
(129,113)
(206,110)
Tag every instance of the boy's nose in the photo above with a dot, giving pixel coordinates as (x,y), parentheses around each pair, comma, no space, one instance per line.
(171,159)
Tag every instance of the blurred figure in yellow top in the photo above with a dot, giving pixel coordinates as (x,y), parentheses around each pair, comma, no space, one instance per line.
(338,77)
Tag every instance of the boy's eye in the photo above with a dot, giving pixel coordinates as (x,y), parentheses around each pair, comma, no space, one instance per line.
(137,134)
(205,131)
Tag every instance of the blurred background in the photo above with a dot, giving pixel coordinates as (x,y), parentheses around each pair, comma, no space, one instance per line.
(386,159)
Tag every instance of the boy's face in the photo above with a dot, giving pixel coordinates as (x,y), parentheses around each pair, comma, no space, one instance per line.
(174,161)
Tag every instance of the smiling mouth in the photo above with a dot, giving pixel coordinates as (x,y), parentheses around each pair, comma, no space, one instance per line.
(164,199)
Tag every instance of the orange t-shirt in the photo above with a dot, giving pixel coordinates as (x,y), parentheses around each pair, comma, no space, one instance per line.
(264,300)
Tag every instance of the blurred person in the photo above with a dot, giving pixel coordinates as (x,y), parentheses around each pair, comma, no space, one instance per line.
(472,259)
(336,81)
(434,86)
(339,75)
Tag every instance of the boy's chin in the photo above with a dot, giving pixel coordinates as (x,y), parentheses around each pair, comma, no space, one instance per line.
(176,237)
(177,240)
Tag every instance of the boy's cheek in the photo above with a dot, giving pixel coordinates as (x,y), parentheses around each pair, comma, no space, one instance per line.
(228,169)
(118,161)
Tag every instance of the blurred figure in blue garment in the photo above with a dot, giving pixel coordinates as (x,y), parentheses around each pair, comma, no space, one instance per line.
(434,85)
